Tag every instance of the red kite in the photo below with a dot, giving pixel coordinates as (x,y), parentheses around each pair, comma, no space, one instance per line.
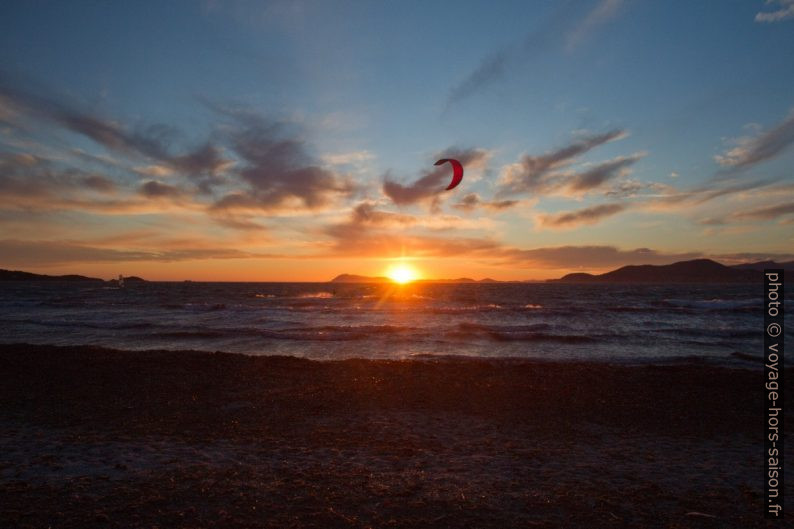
(457,171)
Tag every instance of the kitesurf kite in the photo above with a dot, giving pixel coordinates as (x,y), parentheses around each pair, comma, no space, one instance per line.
(457,171)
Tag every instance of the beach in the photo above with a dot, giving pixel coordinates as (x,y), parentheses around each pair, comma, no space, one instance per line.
(95,437)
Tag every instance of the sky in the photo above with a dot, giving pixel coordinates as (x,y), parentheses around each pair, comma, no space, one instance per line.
(293,141)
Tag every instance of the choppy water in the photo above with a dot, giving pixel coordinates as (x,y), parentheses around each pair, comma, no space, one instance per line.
(331,321)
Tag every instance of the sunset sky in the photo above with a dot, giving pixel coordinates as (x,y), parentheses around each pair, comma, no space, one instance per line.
(235,140)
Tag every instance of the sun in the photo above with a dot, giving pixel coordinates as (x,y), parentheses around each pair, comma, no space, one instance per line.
(402,274)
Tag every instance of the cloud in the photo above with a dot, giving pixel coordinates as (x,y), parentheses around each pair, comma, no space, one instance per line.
(535,174)
(433,181)
(568,27)
(754,150)
(490,69)
(277,168)
(155,189)
(672,198)
(207,159)
(472,201)
(48,253)
(604,11)
(767,212)
(629,188)
(591,257)
(751,257)
(151,142)
(364,217)
(395,244)
(23,175)
(370,231)
(739,193)
(598,175)
(590,215)
(785,11)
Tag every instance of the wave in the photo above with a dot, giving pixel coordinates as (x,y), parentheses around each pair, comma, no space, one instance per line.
(715,304)
(518,333)
(707,332)
(464,309)
(86,324)
(333,332)
(316,295)
(193,334)
(196,307)
(482,327)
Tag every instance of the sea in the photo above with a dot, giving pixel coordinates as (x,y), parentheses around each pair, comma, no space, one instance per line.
(328,321)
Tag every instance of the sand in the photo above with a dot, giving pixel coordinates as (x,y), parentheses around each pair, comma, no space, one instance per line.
(95,437)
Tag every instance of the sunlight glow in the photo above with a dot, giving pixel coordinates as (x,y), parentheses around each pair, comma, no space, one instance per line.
(402,273)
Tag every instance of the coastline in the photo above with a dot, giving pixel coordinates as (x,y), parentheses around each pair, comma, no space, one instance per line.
(95,436)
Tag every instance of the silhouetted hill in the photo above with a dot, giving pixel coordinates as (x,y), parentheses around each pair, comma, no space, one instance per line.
(695,271)
(17,275)
(352,278)
(760,265)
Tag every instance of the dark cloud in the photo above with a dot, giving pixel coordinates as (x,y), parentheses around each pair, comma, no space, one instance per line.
(278,169)
(536,173)
(155,189)
(204,166)
(369,231)
(151,142)
(33,177)
(490,69)
(591,215)
(366,214)
(767,212)
(468,202)
(99,183)
(270,169)
(591,257)
(104,132)
(598,175)
(472,201)
(630,188)
(46,253)
(364,217)
(700,195)
(433,181)
(752,151)
(751,257)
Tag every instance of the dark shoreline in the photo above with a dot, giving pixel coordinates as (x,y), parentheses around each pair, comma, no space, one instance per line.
(194,439)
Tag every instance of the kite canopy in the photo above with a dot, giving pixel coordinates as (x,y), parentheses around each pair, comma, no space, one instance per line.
(457,171)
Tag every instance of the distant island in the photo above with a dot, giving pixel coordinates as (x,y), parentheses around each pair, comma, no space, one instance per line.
(18,275)
(694,271)
(352,278)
